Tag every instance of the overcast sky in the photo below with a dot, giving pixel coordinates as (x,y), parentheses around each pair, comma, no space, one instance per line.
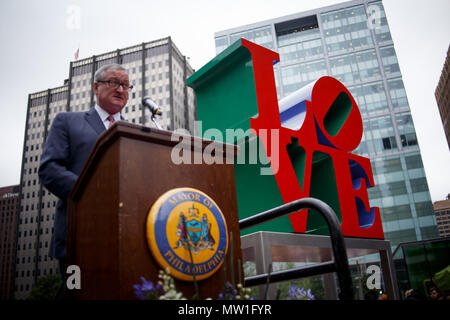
(39,38)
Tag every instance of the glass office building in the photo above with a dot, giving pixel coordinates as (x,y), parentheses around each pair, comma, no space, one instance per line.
(351,42)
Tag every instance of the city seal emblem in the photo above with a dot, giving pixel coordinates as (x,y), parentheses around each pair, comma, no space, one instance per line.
(187,232)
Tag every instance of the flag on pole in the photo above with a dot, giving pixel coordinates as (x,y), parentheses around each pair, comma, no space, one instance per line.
(76,53)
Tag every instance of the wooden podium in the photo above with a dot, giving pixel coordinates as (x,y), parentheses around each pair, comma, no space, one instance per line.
(129,168)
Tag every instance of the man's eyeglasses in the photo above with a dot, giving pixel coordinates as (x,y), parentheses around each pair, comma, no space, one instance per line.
(115,84)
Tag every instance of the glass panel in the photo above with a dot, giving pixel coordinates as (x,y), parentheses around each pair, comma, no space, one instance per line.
(300,51)
(344,69)
(419,185)
(355,67)
(294,78)
(300,45)
(387,165)
(262,36)
(430,233)
(397,93)
(395,213)
(368,65)
(371,98)
(395,237)
(221,44)
(298,37)
(346,29)
(406,129)
(363,148)
(389,60)
(382,33)
(382,134)
(417,267)
(413,162)
(424,208)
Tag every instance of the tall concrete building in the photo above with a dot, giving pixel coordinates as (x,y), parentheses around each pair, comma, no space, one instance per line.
(351,42)
(9,204)
(442,94)
(156,69)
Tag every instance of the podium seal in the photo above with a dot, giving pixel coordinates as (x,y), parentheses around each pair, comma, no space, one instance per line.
(187,232)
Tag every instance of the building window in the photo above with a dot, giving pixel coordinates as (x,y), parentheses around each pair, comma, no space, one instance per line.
(397,93)
(382,33)
(371,98)
(299,39)
(406,129)
(296,77)
(380,132)
(346,29)
(221,44)
(389,60)
(262,36)
(361,66)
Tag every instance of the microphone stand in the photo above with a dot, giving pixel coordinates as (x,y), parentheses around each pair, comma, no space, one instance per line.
(155,122)
(153,118)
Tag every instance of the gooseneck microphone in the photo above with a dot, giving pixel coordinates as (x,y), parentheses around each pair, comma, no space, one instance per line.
(151,105)
(154,109)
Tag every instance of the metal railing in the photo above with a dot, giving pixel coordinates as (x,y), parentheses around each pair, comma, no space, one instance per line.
(340,263)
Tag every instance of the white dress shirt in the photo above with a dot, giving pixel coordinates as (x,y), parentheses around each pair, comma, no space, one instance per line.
(104,115)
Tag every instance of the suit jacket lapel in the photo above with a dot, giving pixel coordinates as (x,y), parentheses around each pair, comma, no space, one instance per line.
(94,120)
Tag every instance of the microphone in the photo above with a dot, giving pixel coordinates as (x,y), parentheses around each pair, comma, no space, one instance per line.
(153,107)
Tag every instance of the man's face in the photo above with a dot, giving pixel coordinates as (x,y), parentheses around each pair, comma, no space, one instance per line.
(434,294)
(111,99)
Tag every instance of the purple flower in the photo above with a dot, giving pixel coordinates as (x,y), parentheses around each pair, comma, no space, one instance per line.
(229,293)
(296,293)
(147,291)
(310,295)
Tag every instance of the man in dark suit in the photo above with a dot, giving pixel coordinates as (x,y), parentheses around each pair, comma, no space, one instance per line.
(70,141)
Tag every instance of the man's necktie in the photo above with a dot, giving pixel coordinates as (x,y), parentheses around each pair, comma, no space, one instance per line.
(111,120)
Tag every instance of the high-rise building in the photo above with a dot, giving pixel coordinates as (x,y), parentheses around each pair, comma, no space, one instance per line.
(351,42)
(156,69)
(9,204)
(442,94)
(442,212)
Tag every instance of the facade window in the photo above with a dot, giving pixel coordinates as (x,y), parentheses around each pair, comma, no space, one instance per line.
(371,98)
(419,185)
(346,29)
(388,189)
(221,44)
(361,66)
(380,132)
(295,77)
(395,213)
(382,33)
(414,162)
(406,129)
(397,93)
(298,46)
(262,36)
(389,60)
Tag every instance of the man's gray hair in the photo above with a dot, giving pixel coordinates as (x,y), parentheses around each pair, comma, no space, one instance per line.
(100,73)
